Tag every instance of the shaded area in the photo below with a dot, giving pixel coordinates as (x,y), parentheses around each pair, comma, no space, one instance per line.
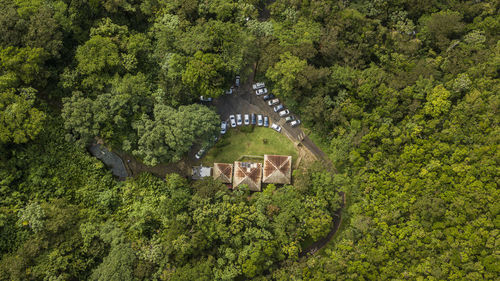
(337,220)
(110,159)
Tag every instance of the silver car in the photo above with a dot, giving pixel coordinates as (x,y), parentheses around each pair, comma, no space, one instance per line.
(278,108)
(273,102)
(223,127)
(276,127)
(247,119)
(284,113)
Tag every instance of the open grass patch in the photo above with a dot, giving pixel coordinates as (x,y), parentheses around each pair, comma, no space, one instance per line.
(239,142)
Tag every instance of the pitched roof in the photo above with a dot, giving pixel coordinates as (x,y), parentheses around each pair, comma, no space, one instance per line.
(277,169)
(249,174)
(223,172)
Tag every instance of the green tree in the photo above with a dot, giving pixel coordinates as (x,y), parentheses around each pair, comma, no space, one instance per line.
(285,74)
(172,132)
(32,215)
(204,74)
(20,121)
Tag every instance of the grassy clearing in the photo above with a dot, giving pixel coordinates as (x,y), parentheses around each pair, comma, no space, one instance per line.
(242,141)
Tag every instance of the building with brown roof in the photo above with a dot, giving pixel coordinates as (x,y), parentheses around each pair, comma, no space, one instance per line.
(249,174)
(277,169)
(223,172)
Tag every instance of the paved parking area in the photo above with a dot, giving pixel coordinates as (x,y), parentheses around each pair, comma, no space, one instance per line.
(245,101)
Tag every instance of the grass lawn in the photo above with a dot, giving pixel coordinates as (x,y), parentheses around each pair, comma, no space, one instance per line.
(236,143)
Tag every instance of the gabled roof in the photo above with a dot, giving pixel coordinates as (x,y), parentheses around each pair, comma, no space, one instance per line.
(277,169)
(249,174)
(223,172)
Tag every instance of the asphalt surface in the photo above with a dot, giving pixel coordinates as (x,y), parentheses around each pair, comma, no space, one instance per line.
(245,101)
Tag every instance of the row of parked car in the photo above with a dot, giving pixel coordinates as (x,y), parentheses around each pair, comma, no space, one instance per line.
(260,89)
(247,119)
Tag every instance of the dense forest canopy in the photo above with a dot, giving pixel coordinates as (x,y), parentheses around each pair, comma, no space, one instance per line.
(403,97)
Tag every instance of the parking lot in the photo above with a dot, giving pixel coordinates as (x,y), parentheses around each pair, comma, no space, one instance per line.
(245,101)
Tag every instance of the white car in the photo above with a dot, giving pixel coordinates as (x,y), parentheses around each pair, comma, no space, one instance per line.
(273,102)
(247,119)
(232,120)
(223,127)
(260,121)
(276,127)
(258,85)
(230,91)
(260,92)
(237,81)
(284,113)
(199,153)
(289,119)
(295,123)
(202,98)
(266,121)
(238,119)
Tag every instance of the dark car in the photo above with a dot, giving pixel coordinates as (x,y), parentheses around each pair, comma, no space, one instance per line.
(268,97)
(279,107)
(253,122)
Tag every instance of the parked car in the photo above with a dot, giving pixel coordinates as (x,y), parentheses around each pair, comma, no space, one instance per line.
(237,81)
(276,127)
(232,120)
(284,113)
(273,102)
(279,107)
(260,92)
(252,118)
(266,121)
(258,85)
(230,91)
(295,123)
(247,119)
(223,127)
(200,153)
(238,119)
(289,118)
(260,122)
(269,97)
(202,98)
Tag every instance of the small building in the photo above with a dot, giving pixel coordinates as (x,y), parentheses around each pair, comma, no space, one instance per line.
(249,174)
(277,169)
(223,172)
(200,172)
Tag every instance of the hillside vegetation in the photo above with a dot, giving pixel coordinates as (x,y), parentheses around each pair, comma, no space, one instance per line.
(404,96)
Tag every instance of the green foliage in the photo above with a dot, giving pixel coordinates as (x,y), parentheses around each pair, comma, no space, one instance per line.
(20,121)
(285,74)
(204,75)
(32,216)
(171,132)
(403,93)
